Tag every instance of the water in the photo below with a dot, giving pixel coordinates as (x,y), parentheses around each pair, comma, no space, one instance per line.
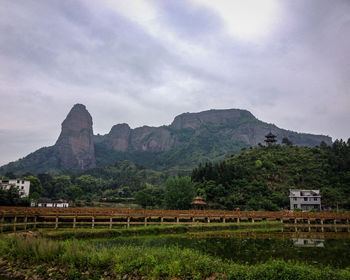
(314,248)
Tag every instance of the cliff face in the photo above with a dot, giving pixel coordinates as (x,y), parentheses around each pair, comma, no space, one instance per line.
(217,117)
(119,137)
(233,125)
(75,147)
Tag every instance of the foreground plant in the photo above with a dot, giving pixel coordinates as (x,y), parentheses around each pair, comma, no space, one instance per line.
(85,260)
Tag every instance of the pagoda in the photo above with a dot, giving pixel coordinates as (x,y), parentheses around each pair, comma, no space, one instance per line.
(198,203)
(270,139)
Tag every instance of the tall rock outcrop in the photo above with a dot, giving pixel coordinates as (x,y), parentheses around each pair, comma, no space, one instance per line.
(75,147)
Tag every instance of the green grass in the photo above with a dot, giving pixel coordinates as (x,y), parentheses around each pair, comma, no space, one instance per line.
(79,259)
(154,230)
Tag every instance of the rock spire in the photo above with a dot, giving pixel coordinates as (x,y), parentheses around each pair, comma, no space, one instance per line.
(75,147)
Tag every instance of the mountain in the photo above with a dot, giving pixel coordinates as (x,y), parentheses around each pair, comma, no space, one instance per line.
(191,138)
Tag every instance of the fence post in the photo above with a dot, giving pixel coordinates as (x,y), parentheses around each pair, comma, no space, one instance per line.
(74,221)
(25,222)
(14,223)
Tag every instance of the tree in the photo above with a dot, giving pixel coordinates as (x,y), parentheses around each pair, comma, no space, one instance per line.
(13,196)
(35,185)
(179,193)
(10,175)
(3,195)
(61,186)
(47,181)
(74,193)
(87,183)
(144,199)
(35,196)
(287,142)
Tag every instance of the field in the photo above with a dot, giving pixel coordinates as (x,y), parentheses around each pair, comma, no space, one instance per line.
(75,255)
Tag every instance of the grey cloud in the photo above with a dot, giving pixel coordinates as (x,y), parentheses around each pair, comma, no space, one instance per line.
(57,53)
(188,19)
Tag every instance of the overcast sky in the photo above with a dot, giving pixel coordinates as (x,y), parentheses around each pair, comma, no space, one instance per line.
(144,62)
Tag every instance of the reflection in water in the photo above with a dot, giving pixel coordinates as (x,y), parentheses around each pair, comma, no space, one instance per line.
(301,242)
(316,248)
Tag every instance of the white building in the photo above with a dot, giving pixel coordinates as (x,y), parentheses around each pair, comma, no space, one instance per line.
(22,185)
(305,199)
(50,203)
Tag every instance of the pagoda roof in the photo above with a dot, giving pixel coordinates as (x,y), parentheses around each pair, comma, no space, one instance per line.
(198,201)
(270,135)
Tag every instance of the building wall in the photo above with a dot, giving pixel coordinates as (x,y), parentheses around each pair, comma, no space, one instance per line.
(22,185)
(305,202)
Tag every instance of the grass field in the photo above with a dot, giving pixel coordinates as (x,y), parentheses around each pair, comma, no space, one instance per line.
(81,259)
(62,255)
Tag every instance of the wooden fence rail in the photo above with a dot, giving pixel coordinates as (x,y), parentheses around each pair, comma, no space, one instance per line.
(74,217)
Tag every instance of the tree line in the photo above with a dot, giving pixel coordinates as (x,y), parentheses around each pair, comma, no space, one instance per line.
(258,178)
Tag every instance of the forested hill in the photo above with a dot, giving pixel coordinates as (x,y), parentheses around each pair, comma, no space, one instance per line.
(260,178)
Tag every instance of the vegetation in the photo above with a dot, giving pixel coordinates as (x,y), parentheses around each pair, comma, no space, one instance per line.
(12,196)
(256,179)
(179,160)
(260,178)
(109,184)
(85,260)
(179,193)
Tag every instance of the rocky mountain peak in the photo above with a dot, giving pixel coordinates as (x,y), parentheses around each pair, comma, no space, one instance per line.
(195,120)
(75,147)
(119,137)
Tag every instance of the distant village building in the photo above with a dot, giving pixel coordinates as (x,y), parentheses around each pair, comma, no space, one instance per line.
(50,203)
(23,186)
(198,203)
(270,139)
(305,199)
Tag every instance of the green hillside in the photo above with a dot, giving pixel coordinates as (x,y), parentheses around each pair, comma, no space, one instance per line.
(196,148)
(260,178)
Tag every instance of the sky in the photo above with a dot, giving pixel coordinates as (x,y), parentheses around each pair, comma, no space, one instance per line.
(143,62)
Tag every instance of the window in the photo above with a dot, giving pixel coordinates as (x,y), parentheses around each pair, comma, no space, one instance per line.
(305,198)
(17,181)
(22,182)
(295,206)
(22,188)
(295,199)
(315,198)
